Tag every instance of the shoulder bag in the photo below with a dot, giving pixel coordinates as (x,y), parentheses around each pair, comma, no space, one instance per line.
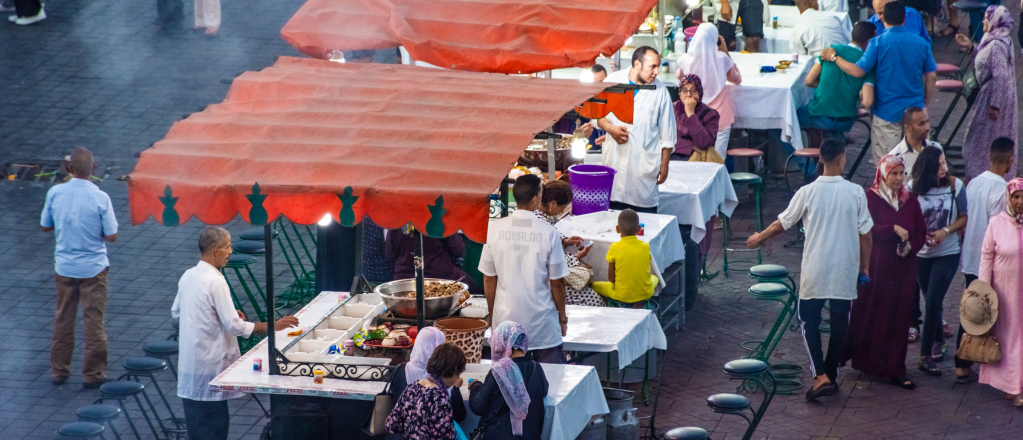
(980,349)
(383,404)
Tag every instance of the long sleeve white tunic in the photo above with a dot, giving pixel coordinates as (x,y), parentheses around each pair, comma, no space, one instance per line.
(207,339)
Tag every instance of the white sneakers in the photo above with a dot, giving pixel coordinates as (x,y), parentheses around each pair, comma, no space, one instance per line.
(24,21)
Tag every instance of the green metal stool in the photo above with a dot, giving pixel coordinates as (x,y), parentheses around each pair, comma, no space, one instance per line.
(80,431)
(755,182)
(138,367)
(786,374)
(123,390)
(99,413)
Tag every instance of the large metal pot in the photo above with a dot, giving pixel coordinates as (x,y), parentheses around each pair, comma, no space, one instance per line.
(439,307)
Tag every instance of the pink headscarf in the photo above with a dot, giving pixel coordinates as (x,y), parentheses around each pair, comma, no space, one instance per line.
(885,166)
(1000,25)
(505,339)
(426,341)
(1013,186)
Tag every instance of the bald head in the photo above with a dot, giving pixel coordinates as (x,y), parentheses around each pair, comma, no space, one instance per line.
(803,5)
(879,6)
(82,164)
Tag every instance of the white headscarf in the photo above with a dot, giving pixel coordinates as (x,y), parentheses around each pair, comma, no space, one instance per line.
(704,60)
(426,341)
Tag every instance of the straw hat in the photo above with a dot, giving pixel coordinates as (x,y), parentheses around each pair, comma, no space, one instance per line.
(978,310)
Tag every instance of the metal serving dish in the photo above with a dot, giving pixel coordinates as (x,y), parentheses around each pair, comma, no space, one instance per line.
(439,307)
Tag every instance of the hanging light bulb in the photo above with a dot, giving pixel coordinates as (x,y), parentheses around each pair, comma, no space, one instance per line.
(579,148)
(325,221)
(336,56)
(586,76)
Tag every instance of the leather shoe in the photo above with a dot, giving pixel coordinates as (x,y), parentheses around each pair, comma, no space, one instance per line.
(96,384)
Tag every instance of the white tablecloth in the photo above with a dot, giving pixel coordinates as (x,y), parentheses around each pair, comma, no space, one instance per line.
(631,332)
(695,192)
(777,40)
(769,100)
(661,232)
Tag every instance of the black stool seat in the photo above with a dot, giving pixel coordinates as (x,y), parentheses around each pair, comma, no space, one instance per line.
(256,234)
(725,401)
(80,430)
(249,247)
(121,388)
(160,348)
(744,178)
(98,413)
(144,365)
(768,271)
(687,434)
(743,367)
(240,260)
(769,290)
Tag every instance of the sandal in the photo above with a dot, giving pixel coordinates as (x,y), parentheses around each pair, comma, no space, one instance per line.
(944,32)
(945,328)
(903,382)
(1018,402)
(914,333)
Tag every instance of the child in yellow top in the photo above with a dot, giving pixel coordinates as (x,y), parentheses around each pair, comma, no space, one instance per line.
(628,268)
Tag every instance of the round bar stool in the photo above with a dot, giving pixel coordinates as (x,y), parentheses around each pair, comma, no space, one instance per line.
(257,234)
(951,86)
(751,154)
(810,154)
(100,414)
(687,434)
(162,350)
(250,247)
(862,117)
(756,183)
(946,70)
(80,431)
(124,390)
(138,367)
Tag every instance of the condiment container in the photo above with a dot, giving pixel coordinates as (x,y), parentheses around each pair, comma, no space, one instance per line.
(318,377)
(257,364)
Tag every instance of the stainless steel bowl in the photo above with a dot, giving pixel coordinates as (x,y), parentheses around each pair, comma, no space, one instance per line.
(439,307)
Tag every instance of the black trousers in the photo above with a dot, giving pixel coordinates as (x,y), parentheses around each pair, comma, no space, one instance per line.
(809,313)
(27,8)
(960,363)
(622,206)
(206,420)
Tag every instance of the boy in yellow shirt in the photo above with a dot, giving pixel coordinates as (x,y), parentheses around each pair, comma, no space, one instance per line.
(628,266)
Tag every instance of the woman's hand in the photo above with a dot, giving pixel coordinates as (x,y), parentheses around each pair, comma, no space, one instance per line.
(583,252)
(935,238)
(964,41)
(690,104)
(571,241)
(905,250)
(992,113)
(722,46)
(902,233)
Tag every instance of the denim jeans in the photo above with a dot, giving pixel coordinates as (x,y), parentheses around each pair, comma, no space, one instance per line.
(934,276)
(809,313)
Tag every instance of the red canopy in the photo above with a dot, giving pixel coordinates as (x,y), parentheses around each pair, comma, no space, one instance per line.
(499,36)
(308,137)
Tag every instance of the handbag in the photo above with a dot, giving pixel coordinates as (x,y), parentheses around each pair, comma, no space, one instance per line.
(579,277)
(980,349)
(383,404)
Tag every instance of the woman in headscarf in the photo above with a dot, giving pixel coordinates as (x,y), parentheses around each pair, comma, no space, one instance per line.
(510,400)
(424,409)
(882,307)
(696,122)
(995,110)
(428,339)
(1000,261)
(708,59)
(556,200)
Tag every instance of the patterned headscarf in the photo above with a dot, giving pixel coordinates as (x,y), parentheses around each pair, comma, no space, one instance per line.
(1013,186)
(505,339)
(426,341)
(885,166)
(691,79)
(1000,24)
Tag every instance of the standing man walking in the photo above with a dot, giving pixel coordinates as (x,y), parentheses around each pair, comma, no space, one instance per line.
(84,221)
(208,339)
(640,151)
(837,223)
(523,266)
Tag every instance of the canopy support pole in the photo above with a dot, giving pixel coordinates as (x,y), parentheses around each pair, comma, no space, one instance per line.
(417,244)
(552,145)
(271,333)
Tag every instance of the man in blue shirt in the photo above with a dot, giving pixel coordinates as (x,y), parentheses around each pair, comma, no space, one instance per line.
(914,22)
(905,75)
(84,221)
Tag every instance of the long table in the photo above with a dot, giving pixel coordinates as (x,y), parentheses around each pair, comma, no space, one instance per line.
(695,192)
(570,401)
(767,101)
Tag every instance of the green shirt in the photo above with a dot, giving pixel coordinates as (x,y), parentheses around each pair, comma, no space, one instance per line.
(838,94)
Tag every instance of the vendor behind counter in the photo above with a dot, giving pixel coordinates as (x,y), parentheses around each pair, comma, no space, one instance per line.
(439,255)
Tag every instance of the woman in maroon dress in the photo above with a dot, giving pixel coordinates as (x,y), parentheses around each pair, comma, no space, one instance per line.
(882,308)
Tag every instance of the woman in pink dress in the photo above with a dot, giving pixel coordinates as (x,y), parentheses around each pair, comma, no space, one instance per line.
(1001,265)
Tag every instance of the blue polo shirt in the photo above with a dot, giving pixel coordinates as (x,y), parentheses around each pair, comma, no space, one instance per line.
(81,214)
(900,60)
(914,23)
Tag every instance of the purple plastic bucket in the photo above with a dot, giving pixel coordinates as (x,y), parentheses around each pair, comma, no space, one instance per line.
(591,188)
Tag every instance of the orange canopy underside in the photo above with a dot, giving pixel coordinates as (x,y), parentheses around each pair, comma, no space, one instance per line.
(409,144)
(499,36)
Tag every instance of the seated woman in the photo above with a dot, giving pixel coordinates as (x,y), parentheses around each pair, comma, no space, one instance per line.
(424,412)
(707,58)
(556,199)
(510,400)
(415,370)
(439,255)
(696,123)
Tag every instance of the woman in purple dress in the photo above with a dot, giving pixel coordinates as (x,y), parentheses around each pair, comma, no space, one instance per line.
(882,307)
(994,114)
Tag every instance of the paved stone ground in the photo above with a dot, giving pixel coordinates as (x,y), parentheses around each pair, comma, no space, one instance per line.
(101,75)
